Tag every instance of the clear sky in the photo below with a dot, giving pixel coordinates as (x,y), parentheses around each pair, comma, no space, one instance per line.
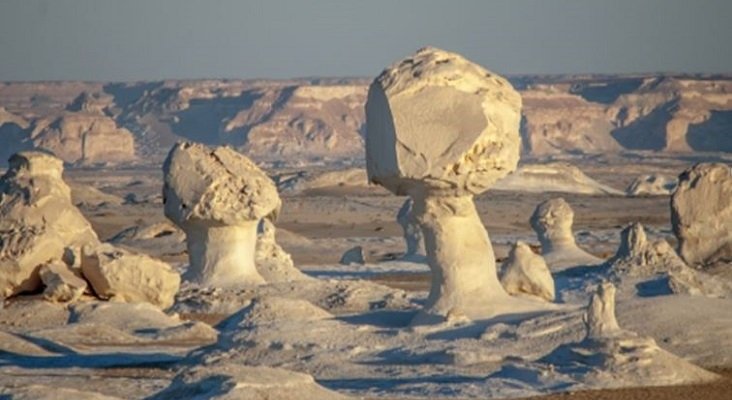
(154,39)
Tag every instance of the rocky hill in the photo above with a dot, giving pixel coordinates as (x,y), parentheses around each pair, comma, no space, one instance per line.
(304,120)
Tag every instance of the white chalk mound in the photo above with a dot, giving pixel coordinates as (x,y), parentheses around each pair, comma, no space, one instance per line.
(552,221)
(442,129)
(38,222)
(119,275)
(62,284)
(652,185)
(218,196)
(610,356)
(272,261)
(553,177)
(524,272)
(701,214)
(243,382)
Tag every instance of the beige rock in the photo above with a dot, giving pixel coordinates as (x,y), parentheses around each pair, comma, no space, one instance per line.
(553,177)
(62,284)
(354,255)
(38,222)
(412,232)
(119,275)
(271,260)
(652,185)
(701,214)
(442,129)
(218,196)
(524,272)
(552,221)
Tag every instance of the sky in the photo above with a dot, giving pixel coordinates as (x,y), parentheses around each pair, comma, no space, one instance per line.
(123,40)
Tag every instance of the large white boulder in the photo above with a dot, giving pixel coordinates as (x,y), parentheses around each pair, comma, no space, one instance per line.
(701,214)
(38,222)
(62,284)
(524,272)
(119,275)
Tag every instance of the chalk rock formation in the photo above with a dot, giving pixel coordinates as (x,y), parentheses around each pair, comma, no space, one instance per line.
(552,221)
(119,275)
(218,196)
(354,255)
(38,223)
(271,260)
(701,214)
(441,130)
(62,284)
(639,258)
(524,272)
(652,185)
(412,231)
(553,177)
(610,356)
(235,381)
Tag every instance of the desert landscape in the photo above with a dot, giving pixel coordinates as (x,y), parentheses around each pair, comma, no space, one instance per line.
(436,232)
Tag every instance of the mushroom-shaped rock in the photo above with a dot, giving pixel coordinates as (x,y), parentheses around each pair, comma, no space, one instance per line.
(122,276)
(552,221)
(441,129)
(412,231)
(701,214)
(524,272)
(218,196)
(38,222)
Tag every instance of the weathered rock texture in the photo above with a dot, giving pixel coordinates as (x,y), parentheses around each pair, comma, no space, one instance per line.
(271,260)
(553,177)
(442,129)
(218,196)
(354,255)
(38,223)
(524,272)
(652,185)
(552,221)
(119,275)
(412,232)
(62,285)
(701,214)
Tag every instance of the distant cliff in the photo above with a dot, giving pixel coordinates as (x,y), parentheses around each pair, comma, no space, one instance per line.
(90,123)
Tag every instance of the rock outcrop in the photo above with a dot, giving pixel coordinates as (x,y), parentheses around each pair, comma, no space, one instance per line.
(652,185)
(411,231)
(62,285)
(122,276)
(553,177)
(701,214)
(38,222)
(552,221)
(524,272)
(271,260)
(217,197)
(441,129)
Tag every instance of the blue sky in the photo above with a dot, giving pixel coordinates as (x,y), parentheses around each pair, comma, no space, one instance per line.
(154,39)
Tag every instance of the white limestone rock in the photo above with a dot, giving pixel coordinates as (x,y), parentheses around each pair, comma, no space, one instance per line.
(62,285)
(272,261)
(412,232)
(442,129)
(218,196)
(524,272)
(243,382)
(652,185)
(120,275)
(701,214)
(552,221)
(38,222)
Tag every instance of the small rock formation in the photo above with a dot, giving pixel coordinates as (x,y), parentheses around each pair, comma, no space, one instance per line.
(639,258)
(235,381)
(412,231)
(524,272)
(271,260)
(552,221)
(652,185)
(612,357)
(553,177)
(119,275)
(38,222)
(701,214)
(62,284)
(354,255)
(218,196)
(442,129)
